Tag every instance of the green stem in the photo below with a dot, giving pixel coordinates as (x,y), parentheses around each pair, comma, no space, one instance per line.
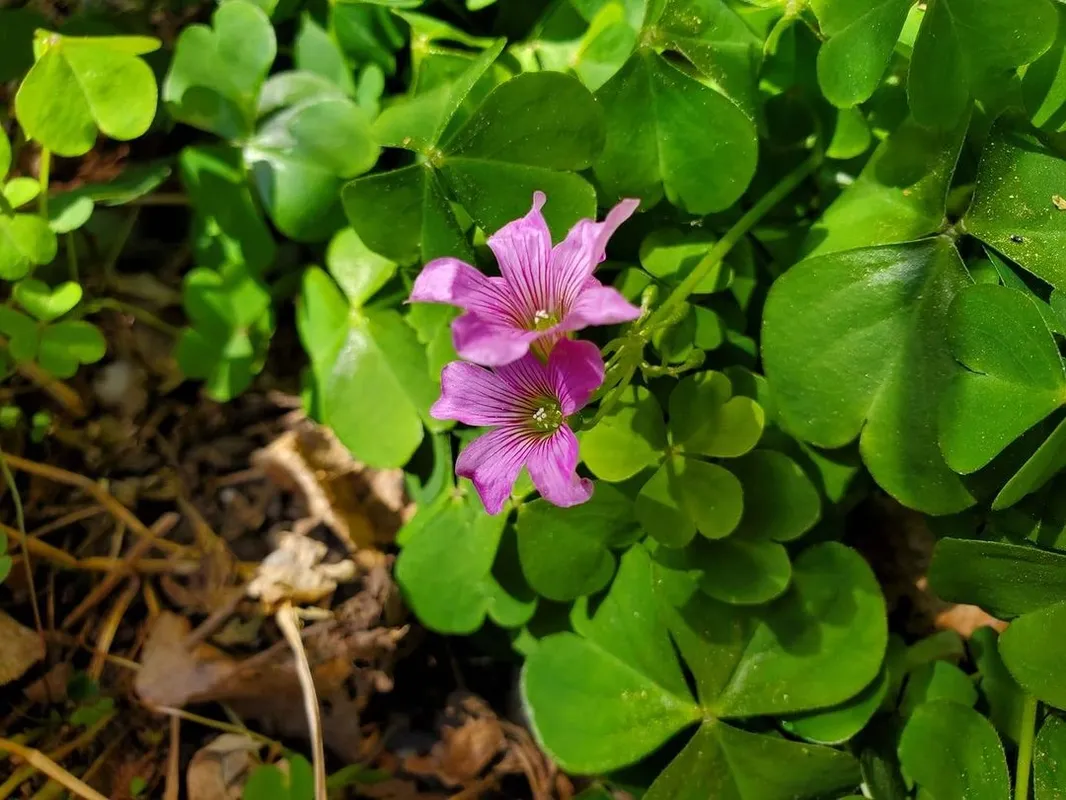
(1025,748)
(44,175)
(731,238)
(120,244)
(143,316)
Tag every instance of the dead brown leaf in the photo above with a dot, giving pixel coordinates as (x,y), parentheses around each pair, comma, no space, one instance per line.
(477,749)
(218,770)
(295,572)
(351,658)
(361,505)
(20,649)
(172,674)
(462,754)
(52,688)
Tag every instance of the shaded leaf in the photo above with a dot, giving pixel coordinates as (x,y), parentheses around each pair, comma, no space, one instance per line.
(628,439)
(900,194)
(566,552)
(1004,579)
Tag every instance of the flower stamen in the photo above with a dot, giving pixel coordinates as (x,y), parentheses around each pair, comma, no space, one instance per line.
(548,416)
(543,320)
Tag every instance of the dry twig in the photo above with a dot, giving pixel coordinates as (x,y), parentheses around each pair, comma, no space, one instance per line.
(290,627)
(42,763)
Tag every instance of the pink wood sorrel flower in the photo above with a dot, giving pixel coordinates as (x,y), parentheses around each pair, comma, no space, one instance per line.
(543,294)
(527,402)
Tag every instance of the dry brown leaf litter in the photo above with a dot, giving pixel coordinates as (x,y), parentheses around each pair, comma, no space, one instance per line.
(20,649)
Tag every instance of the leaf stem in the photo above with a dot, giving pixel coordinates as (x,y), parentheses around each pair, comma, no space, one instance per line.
(142,315)
(44,171)
(722,247)
(1025,748)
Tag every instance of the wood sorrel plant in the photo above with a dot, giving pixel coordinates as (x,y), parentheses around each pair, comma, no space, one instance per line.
(844,280)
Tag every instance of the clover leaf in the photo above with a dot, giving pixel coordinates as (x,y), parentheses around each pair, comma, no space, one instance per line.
(487,163)
(567,552)
(780,502)
(900,195)
(1012,375)
(446,566)
(1044,83)
(706,420)
(300,157)
(26,241)
(70,210)
(740,570)
(1046,462)
(80,86)
(57,347)
(685,495)
(671,254)
(231,325)
(613,692)
(1031,647)
(862,36)
(855,345)
(943,731)
(962,44)
(45,303)
(628,439)
(66,345)
(268,782)
(1050,752)
(1014,208)
(989,574)
(352,347)
(228,225)
(668,123)
(216,74)
(960,48)
(315,52)
(691,130)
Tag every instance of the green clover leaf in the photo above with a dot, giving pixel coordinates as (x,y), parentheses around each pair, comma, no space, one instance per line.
(80,87)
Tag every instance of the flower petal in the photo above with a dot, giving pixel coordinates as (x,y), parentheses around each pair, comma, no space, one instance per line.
(575,370)
(597,304)
(523,249)
(474,396)
(552,464)
(493,462)
(451,281)
(490,340)
(575,258)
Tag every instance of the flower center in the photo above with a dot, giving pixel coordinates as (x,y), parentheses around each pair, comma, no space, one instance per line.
(547,416)
(543,319)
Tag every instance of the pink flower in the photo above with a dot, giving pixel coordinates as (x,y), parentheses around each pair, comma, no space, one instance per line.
(527,402)
(544,292)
